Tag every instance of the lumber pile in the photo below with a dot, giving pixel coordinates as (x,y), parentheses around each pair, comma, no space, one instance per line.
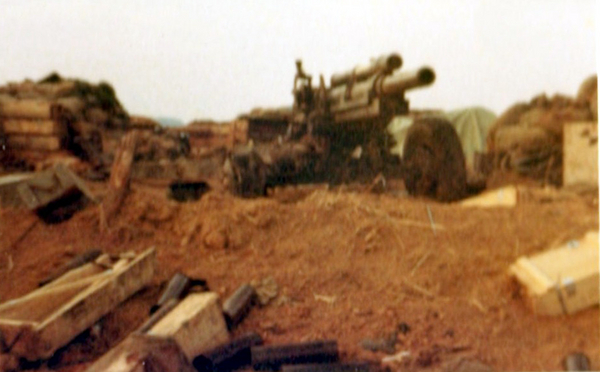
(528,137)
(38,118)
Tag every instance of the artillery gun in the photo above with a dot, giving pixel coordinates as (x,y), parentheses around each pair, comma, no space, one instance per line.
(337,134)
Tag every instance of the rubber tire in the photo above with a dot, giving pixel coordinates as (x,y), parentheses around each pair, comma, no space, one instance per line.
(433,161)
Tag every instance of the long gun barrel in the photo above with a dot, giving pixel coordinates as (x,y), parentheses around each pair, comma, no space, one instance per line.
(385,63)
(404,81)
(346,97)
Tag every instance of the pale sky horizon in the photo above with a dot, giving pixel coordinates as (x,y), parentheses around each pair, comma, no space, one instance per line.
(215,60)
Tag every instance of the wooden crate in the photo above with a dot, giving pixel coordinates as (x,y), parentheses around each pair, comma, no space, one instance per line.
(196,324)
(36,325)
(140,353)
(580,154)
(563,280)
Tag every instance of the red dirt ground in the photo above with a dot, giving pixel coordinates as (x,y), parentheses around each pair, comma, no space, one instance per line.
(349,265)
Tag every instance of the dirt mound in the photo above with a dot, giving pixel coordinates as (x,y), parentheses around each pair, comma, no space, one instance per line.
(347,265)
(527,138)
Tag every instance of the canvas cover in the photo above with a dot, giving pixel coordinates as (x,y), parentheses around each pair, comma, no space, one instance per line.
(471,124)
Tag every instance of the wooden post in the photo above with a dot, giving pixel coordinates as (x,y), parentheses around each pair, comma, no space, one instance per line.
(120,175)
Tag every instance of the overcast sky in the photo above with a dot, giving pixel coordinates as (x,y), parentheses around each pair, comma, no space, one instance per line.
(216,59)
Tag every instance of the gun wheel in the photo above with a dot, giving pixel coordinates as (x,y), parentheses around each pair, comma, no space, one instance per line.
(433,161)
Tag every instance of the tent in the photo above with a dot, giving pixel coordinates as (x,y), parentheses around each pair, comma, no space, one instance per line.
(471,124)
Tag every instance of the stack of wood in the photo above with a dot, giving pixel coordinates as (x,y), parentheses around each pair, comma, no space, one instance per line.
(33,124)
(56,114)
(528,137)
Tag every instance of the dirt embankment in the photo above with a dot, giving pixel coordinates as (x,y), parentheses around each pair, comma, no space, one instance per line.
(348,266)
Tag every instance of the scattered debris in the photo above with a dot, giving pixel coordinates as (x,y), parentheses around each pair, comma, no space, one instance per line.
(157,315)
(327,299)
(140,352)
(396,358)
(403,328)
(37,324)
(272,357)
(505,197)
(418,289)
(55,194)
(266,290)
(329,367)
(238,305)
(196,324)
(177,288)
(577,362)
(229,356)
(386,344)
(563,280)
(431,219)
(10,264)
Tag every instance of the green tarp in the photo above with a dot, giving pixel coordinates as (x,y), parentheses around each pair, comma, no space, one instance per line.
(471,124)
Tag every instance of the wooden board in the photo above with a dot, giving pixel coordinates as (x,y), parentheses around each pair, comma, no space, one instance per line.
(50,185)
(563,280)
(120,176)
(33,127)
(38,324)
(9,196)
(197,324)
(44,143)
(505,197)
(140,353)
(580,154)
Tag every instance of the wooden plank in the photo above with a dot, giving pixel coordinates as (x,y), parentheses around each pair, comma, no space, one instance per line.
(9,196)
(140,353)
(197,324)
(563,280)
(580,154)
(50,185)
(86,271)
(83,310)
(120,175)
(44,143)
(36,305)
(33,127)
(69,270)
(505,197)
